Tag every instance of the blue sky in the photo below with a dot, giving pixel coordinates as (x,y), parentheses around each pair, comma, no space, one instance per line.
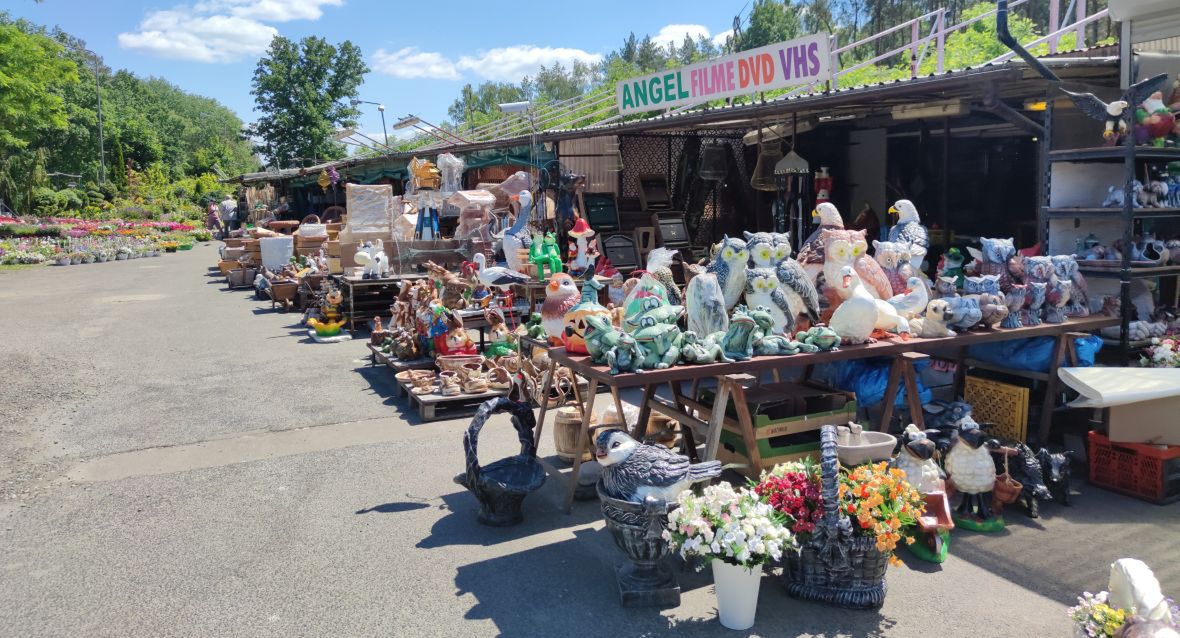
(420,53)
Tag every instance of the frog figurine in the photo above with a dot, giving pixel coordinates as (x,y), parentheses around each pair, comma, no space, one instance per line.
(694,349)
(738,342)
(660,343)
(767,342)
(625,355)
(821,337)
(601,336)
(543,253)
(652,307)
(533,328)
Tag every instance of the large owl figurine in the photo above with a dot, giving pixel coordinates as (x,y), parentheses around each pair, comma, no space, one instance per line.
(811,253)
(853,250)
(1034,302)
(894,259)
(1066,267)
(773,251)
(762,289)
(994,259)
(729,265)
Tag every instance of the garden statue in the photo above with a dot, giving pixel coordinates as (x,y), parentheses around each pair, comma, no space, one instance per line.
(373,259)
(917,459)
(762,290)
(812,254)
(1133,587)
(601,335)
(517,238)
(1154,121)
(992,307)
(973,472)
(544,255)
(997,257)
(934,324)
(581,264)
(1056,299)
(330,321)
(909,232)
(694,349)
(951,265)
(659,264)
(981,284)
(852,252)
(625,355)
(500,340)
(1014,299)
(1066,269)
(894,259)
(729,266)
(856,318)
(660,343)
(820,337)
(705,302)
(1034,302)
(738,341)
(965,313)
(574,337)
(561,295)
(1113,115)
(633,471)
(912,300)
(768,341)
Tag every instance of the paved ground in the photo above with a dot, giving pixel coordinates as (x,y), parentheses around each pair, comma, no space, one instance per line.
(177,460)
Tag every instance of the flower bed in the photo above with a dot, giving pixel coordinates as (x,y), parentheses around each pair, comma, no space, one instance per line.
(76,241)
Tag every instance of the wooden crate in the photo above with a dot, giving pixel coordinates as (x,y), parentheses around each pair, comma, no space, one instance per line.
(1004,404)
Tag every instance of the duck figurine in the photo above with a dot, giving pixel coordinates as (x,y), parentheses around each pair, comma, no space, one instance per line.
(855,319)
(811,253)
(912,301)
(561,295)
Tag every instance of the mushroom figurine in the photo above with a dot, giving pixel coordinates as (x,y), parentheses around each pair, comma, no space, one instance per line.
(582,233)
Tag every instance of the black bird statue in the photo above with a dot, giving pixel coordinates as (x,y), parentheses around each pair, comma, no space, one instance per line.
(632,471)
(1115,114)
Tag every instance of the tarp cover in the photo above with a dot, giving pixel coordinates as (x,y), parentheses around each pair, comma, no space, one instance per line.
(370,207)
(1106,387)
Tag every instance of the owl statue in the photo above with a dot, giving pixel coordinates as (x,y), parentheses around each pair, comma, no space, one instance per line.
(1066,268)
(762,289)
(705,304)
(1038,269)
(1033,303)
(1014,299)
(994,259)
(989,284)
(894,259)
(945,288)
(729,265)
(773,250)
(1057,295)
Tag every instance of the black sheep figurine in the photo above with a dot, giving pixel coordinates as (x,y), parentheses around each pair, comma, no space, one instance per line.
(1027,470)
(1055,468)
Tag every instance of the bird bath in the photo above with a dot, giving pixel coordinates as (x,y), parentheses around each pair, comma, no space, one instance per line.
(638,530)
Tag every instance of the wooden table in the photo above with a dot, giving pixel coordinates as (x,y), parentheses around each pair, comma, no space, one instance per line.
(732,379)
(368,298)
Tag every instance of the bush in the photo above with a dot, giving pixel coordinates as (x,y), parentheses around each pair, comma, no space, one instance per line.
(29,230)
(44,202)
(71,199)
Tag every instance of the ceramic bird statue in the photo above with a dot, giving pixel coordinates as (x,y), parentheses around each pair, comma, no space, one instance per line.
(1066,267)
(853,251)
(1014,299)
(762,289)
(496,276)
(633,471)
(729,264)
(773,250)
(916,459)
(855,319)
(1113,114)
(561,295)
(970,466)
(517,236)
(909,231)
(705,302)
(912,301)
(894,259)
(659,264)
(811,253)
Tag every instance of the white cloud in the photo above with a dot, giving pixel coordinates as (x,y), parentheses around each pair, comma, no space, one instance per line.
(217,30)
(721,38)
(506,64)
(410,63)
(673,34)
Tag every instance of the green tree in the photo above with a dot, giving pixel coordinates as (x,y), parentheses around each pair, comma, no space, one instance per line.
(32,73)
(302,90)
(770,21)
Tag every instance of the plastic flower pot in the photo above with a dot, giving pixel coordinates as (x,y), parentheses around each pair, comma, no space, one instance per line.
(61,261)
(737,594)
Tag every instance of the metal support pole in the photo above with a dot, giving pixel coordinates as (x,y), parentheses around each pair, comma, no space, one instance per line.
(102,165)
(1080,12)
(384,130)
(915,35)
(1054,20)
(941,39)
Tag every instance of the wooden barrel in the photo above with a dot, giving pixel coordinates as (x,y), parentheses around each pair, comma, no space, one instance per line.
(566,425)
(661,429)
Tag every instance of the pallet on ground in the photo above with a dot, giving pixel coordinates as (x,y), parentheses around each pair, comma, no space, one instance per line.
(378,357)
(435,407)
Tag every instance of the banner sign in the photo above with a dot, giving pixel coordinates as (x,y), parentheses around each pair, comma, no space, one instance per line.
(776,66)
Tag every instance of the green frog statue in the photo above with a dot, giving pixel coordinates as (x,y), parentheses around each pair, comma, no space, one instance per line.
(660,343)
(735,344)
(822,337)
(544,253)
(768,343)
(695,349)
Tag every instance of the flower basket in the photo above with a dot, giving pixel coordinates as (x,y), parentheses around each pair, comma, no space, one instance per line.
(836,566)
(501,487)
(61,261)
(1006,489)
(456,362)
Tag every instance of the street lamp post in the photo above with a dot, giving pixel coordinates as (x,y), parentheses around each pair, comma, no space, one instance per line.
(380,109)
(102,165)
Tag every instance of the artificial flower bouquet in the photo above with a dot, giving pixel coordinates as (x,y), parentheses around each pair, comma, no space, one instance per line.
(1162,353)
(734,526)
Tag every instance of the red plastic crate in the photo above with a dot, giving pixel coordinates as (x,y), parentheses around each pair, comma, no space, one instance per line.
(1142,471)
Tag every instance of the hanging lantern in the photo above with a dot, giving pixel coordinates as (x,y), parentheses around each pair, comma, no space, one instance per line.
(762,178)
(324,181)
(712,163)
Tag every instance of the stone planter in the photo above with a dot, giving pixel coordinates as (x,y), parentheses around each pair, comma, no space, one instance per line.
(637,528)
(500,487)
(121,256)
(88,259)
(61,261)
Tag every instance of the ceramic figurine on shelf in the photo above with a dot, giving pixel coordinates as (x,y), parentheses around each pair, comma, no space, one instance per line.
(561,295)
(912,300)
(705,303)
(372,257)
(1114,115)
(822,338)
(944,288)
(909,231)
(933,324)
(516,238)
(1014,299)
(1057,296)
(951,265)
(624,355)
(971,469)
(1037,269)
(995,258)
(633,471)
(851,252)
(1034,303)
(659,341)
(574,337)
(582,233)
(812,252)
(601,335)
(738,341)
(659,264)
(500,340)
(1066,269)
(771,253)
(762,290)
(545,255)
(694,349)
(823,185)
(894,260)
(993,309)
(614,287)
(769,342)
(729,266)
(965,312)
(1154,121)
(654,308)
(981,284)
(455,291)
(639,300)
(854,319)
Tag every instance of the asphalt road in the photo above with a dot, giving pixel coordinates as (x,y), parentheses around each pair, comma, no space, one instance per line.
(178,460)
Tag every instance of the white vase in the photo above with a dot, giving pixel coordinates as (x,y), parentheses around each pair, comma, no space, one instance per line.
(737,594)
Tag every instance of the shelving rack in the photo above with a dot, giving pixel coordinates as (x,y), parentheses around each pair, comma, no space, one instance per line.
(1131,157)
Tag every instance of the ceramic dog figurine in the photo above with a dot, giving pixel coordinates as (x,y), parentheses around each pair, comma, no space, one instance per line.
(933,325)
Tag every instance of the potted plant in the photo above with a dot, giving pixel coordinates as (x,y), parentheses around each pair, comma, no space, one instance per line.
(849,533)
(61,259)
(88,257)
(76,257)
(737,533)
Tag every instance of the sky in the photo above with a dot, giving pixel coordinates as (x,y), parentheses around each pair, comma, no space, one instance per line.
(420,54)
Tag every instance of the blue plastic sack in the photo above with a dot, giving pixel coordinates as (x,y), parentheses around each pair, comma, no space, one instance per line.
(1033,354)
(868,378)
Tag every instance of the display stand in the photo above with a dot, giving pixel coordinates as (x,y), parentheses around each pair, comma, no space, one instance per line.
(368,298)
(732,377)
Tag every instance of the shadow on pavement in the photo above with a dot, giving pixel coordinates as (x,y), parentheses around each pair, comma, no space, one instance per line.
(393,508)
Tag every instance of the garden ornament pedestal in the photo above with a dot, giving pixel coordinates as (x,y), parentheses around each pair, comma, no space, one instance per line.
(500,487)
(646,581)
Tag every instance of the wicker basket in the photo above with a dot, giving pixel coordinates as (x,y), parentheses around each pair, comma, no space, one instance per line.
(1006,489)
(836,566)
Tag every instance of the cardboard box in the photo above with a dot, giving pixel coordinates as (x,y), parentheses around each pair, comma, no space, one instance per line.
(1152,422)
